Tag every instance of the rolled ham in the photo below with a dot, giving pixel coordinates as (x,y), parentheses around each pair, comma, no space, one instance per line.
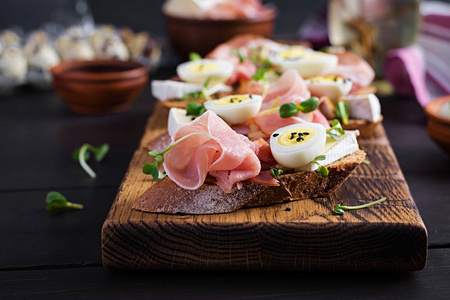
(290,87)
(230,160)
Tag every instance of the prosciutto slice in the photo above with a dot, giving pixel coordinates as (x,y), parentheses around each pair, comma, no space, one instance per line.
(353,67)
(230,160)
(268,122)
(290,87)
(237,9)
(242,70)
(265,154)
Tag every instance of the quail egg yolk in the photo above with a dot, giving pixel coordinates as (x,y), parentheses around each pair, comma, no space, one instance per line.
(202,67)
(293,53)
(234,99)
(296,136)
(327,78)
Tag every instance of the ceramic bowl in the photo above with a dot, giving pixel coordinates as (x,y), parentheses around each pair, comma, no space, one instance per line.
(203,35)
(99,86)
(438,127)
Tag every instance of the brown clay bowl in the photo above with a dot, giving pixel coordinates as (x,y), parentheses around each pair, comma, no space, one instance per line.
(203,35)
(99,86)
(438,127)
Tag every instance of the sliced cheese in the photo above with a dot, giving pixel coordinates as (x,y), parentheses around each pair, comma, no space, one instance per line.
(169,89)
(334,150)
(363,107)
(177,117)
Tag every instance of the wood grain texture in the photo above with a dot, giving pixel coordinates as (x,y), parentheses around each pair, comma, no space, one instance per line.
(389,236)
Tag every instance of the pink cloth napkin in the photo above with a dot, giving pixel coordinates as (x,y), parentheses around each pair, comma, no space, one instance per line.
(422,70)
(405,69)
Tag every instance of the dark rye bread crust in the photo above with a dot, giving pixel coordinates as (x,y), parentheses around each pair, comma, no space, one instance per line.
(165,196)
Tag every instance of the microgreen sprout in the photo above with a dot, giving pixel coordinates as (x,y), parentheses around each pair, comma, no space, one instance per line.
(339,209)
(192,95)
(238,54)
(152,169)
(275,172)
(342,111)
(194,56)
(199,94)
(56,203)
(260,61)
(291,109)
(335,125)
(322,171)
(81,155)
(261,77)
(195,109)
(205,89)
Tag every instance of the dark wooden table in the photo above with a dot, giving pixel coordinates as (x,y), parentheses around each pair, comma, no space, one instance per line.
(58,257)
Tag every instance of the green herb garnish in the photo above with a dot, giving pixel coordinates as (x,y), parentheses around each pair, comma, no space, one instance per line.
(200,94)
(261,77)
(152,169)
(238,54)
(205,92)
(342,111)
(193,95)
(195,109)
(322,171)
(275,172)
(260,61)
(81,155)
(335,125)
(366,162)
(260,74)
(339,209)
(291,109)
(194,56)
(56,203)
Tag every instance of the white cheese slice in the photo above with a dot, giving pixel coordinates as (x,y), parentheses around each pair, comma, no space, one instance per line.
(169,89)
(363,107)
(334,150)
(177,117)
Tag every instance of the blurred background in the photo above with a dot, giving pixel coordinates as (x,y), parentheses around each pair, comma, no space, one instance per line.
(137,14)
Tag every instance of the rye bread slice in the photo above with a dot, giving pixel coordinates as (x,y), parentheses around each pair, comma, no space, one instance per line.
(165,196)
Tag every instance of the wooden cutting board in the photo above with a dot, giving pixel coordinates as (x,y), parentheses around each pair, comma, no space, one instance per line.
(388,236)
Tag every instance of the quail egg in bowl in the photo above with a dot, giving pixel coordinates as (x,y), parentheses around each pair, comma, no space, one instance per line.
(296,145)
(307,62)
(198,71)
(235,109)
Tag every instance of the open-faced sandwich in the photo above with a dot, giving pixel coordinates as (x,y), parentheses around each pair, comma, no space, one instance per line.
(248,64)
(245,150)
